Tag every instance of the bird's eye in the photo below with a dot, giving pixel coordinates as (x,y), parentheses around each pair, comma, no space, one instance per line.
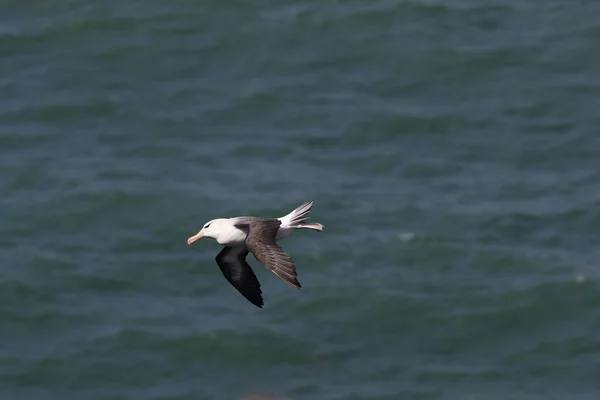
(206,226)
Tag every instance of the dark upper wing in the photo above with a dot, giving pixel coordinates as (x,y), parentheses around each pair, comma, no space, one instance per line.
(232,261)
(261,242)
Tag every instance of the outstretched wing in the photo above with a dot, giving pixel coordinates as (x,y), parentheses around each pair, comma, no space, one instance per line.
(232,262)
(260,241)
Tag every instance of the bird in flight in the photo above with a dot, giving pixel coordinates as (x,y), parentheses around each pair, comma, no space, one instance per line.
(259,236)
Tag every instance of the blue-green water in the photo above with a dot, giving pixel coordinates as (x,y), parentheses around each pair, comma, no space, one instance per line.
(452,149)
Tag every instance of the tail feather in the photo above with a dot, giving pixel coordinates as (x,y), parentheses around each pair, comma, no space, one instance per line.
(315,226)
(300,214)
(299,217)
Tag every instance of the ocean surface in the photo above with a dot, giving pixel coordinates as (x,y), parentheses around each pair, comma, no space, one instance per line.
(451,148)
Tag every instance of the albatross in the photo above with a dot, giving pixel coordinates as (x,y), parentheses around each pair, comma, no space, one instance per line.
(259,236)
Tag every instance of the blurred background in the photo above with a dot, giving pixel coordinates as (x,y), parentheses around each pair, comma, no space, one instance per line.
(451,148)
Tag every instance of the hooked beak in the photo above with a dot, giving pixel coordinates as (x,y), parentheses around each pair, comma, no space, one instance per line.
(197,236)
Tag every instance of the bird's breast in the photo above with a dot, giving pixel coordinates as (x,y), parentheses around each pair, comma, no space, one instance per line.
(233,237)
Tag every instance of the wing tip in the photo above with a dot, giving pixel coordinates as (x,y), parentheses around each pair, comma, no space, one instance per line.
(257,301)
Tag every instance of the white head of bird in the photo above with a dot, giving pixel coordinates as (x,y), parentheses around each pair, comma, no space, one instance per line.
(220,229)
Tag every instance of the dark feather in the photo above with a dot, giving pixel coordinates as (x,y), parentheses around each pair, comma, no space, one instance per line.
(232,262)
(261,243)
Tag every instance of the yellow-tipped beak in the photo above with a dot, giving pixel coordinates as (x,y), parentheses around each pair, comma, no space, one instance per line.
(197,236)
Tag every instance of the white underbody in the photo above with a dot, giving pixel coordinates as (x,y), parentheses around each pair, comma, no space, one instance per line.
(234,237)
